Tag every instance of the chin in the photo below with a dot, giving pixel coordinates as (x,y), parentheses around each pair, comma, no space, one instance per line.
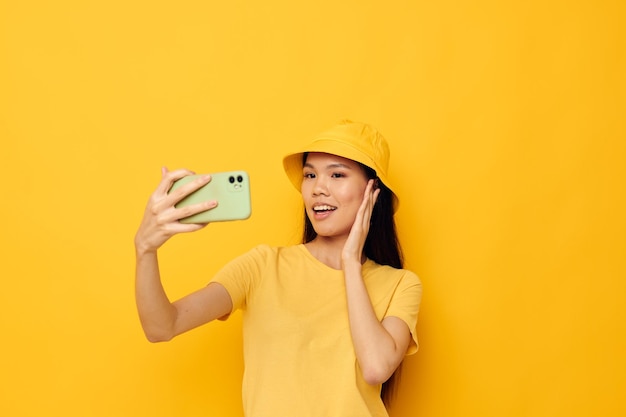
(329,233)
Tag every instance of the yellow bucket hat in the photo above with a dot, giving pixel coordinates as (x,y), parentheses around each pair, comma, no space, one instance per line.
(359,142)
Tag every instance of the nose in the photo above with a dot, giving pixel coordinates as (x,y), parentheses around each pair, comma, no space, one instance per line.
(320,187)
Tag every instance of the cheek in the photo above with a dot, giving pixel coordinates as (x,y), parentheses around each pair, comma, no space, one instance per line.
(352,195)
(303,187)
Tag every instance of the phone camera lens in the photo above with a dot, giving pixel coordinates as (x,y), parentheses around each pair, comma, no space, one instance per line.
(239,178)
(231,179)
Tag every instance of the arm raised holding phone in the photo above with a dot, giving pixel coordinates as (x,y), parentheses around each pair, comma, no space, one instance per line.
(161,319)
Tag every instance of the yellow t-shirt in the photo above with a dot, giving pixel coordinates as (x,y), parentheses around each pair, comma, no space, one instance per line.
(298,352)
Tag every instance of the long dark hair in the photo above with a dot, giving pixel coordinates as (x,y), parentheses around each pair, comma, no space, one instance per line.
(381,245)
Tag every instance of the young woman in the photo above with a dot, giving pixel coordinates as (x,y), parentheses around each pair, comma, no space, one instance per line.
(326,322)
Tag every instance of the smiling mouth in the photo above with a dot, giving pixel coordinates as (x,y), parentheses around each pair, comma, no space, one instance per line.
(323,208)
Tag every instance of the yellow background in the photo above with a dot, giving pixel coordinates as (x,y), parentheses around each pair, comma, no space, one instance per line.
(506,123)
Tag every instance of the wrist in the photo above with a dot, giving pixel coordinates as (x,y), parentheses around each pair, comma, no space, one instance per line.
(142,249)
(351,263)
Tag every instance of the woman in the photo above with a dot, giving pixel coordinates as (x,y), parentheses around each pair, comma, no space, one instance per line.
(326,322)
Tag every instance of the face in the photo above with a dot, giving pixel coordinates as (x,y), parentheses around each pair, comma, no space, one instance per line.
(332,190)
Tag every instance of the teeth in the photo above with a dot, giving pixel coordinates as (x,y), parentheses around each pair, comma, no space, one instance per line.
(324,208)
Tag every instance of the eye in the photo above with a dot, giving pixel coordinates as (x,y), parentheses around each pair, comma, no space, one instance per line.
(338,175)
(309,175)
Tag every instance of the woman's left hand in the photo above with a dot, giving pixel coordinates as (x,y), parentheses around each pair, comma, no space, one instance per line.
(353,248)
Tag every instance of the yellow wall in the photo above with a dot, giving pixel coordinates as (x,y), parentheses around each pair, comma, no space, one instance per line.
(506,122)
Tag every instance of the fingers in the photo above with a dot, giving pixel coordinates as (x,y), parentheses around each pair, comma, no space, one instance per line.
(169,177)
(190,185)
(174,214)
(375,191)
(165,197)
(161,217)
(361,223)
(177,227)
(353,247)
(370,197)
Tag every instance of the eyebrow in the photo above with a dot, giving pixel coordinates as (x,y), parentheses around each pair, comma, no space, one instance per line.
(330,166)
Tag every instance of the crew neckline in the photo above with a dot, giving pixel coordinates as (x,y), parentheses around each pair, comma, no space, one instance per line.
(323,266)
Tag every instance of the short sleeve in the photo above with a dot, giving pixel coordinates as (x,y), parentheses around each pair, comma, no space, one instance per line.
(240,276)
(405,305)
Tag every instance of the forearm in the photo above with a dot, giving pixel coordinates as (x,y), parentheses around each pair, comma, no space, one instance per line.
(156,312)
(161,320)
(375,348)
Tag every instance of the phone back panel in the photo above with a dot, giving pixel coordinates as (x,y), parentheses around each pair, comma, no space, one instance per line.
(231,190)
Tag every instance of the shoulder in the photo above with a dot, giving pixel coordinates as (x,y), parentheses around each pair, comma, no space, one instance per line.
(391,273)
(390,280)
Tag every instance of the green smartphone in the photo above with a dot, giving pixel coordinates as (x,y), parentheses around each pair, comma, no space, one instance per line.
(231,189)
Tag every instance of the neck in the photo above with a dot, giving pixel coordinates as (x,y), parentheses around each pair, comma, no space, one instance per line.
(328,251)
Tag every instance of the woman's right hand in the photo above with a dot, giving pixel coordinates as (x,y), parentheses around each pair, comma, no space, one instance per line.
(161,217)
